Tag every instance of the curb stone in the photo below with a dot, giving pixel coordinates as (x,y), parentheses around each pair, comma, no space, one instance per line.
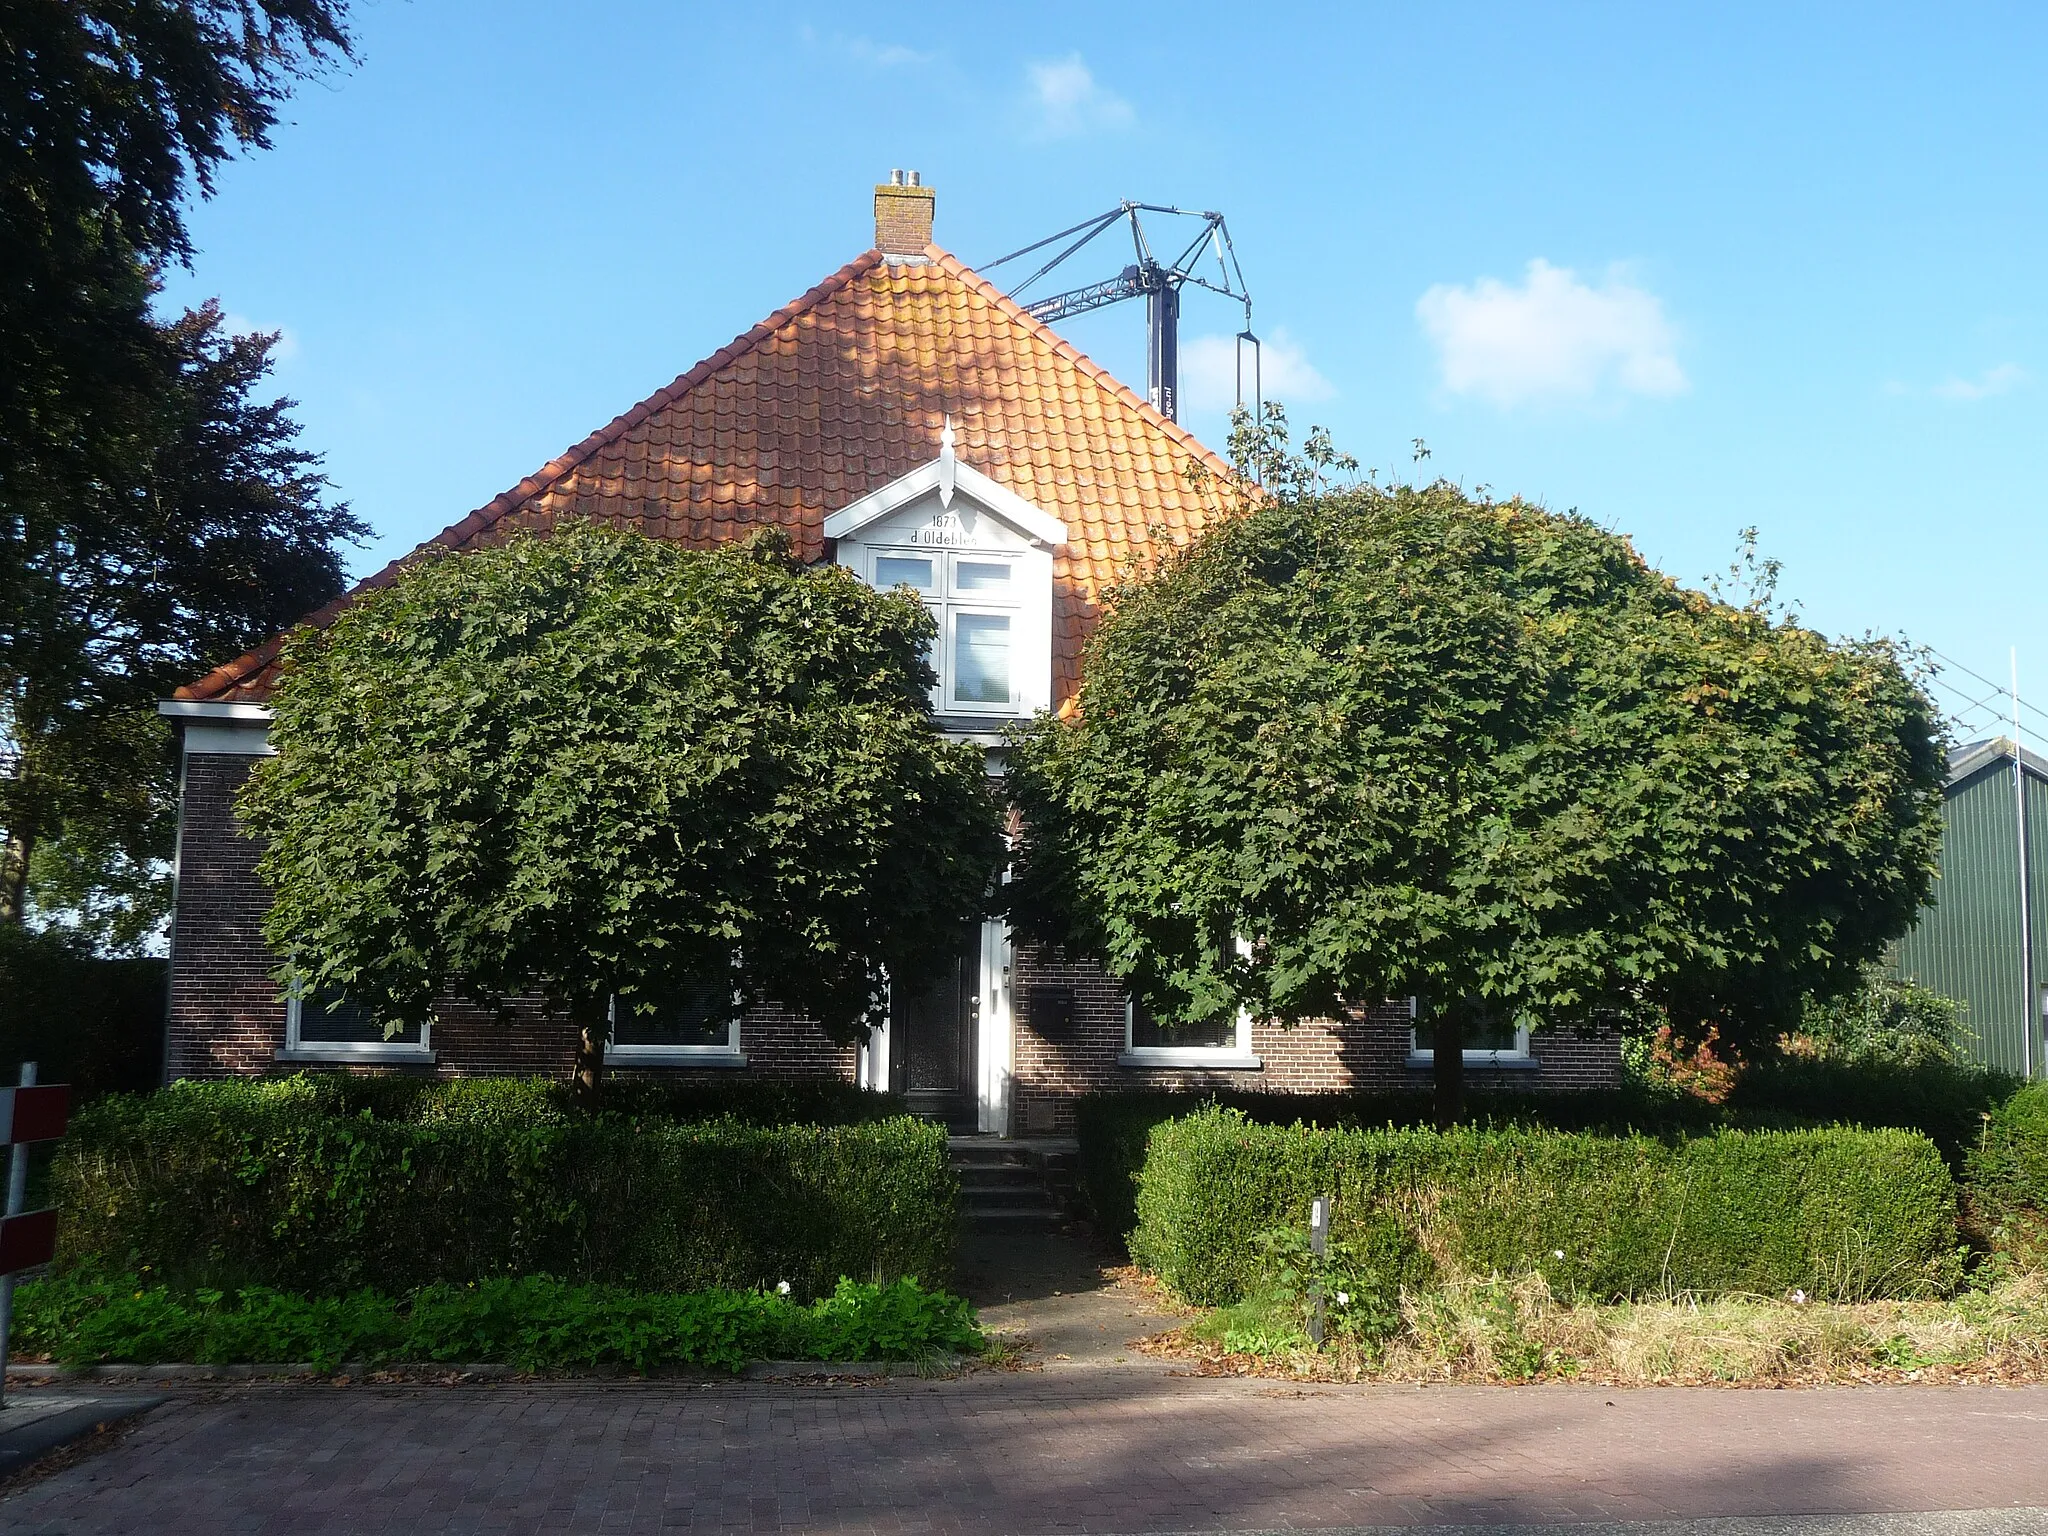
(36,1439)
(759,1370)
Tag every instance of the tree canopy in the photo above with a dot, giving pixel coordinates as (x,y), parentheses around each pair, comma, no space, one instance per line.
(595,764)
(1372,743)
(155,518)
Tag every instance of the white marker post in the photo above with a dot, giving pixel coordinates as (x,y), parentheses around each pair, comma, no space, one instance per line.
(1319,1246)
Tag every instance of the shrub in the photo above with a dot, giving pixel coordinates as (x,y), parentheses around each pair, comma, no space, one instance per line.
(1886,1019)
(1835,1213)
(1945,1101)
(2007,1173)
(1112,1128)
(531,1322)
(236,1184)
(752,1101)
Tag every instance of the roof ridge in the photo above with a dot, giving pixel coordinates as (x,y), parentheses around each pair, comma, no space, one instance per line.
(954,266)
(232,673)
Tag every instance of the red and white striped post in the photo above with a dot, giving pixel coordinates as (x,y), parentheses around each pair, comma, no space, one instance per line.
(27,1238)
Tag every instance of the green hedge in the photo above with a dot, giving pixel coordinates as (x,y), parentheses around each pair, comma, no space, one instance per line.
(1835,1213)
(532,1322)
(1944,1101)
(1112,1128)
(2008,1168)
(263,1183)
(1947,1104)
(754,1101)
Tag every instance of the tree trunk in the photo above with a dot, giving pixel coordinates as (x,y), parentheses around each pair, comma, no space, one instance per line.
(15,853)
(1450,1065)
(593,1027)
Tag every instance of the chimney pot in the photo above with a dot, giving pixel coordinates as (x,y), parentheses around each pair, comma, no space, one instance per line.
(903,217)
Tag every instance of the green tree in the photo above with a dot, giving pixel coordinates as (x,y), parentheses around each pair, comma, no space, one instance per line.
(1358,744)
(594,765)
(220,535)
(110,112)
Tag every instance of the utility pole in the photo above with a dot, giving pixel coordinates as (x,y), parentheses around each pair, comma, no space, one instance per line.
(2019,802)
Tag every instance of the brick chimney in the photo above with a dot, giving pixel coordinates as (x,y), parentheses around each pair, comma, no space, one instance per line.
(903,217)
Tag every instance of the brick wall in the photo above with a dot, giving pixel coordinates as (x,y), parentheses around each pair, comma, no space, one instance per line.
(224,1013)
(226,1017)
(903,220)
(1368,1050)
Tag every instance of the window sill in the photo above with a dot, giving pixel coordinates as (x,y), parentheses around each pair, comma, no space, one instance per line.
(343,1054)
(1484,1060)
(1199,1058)
(671,1056)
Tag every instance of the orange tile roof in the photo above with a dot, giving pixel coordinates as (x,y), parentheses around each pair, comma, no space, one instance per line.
(841,392)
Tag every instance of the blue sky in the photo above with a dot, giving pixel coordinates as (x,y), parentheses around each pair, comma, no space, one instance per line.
(1686,269)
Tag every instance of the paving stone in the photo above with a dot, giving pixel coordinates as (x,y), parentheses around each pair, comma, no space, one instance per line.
(1084,1452)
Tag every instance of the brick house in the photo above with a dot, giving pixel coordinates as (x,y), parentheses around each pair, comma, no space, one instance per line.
(906,419)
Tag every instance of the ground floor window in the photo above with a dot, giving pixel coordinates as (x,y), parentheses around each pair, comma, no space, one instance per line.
(325,1026)
(1222,1042)
(1494,1042)
(701,1028)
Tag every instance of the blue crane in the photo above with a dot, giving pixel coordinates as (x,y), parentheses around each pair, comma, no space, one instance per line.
(1159,282)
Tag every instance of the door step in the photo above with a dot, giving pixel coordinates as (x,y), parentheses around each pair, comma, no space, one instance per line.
(1013,1186)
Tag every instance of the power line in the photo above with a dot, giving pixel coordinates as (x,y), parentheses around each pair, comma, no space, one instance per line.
(2002,690)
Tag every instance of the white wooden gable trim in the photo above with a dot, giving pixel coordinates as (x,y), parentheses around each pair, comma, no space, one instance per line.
(948,476)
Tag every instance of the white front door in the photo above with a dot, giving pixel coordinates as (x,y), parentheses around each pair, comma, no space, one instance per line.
(993,1056)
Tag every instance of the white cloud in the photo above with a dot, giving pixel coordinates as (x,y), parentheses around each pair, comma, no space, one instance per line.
(1553,337)
(1068,102)
(883,55)
(865,50)
(2001,380)
(1208,372)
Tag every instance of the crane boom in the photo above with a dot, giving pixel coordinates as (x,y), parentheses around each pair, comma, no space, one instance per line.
(1160,284)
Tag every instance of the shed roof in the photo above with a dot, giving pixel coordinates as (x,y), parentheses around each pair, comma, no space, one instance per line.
(1977,755)
(842,391)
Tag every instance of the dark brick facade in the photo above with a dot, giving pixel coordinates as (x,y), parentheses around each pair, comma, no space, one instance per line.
(226,1017)
(1368,1050)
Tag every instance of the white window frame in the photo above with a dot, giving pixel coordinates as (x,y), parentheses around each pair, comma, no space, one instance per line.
(726,1055)
(946,603)
(345,1051)
(1235,1057)
(1515,1056)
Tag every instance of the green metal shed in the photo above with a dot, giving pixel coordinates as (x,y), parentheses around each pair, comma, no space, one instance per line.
(1984,938)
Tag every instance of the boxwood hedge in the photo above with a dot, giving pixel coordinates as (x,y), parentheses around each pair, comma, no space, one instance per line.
(2007,1170)
(277,1184)
(1835,1213)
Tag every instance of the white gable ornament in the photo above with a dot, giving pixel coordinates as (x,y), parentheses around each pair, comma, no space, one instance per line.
(950,477)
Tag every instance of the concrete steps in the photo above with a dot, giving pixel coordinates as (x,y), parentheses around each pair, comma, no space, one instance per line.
(1014,1186)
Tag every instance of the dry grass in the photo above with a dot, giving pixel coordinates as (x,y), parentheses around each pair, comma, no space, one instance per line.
(1516,1330)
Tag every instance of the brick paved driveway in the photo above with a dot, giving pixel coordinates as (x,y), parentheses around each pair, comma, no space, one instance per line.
(1097,1452)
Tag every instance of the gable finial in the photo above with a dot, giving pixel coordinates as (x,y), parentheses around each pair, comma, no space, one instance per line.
(947,464)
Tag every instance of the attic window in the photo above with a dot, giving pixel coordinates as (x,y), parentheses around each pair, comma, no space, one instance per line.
(975,600)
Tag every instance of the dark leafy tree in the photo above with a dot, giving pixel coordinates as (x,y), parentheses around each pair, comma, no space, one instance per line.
(110,115)
(1364,743)
(222,536)
(595,766)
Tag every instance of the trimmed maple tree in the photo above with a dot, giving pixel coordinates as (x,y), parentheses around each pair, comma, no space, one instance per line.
(1365,744)
(595,765)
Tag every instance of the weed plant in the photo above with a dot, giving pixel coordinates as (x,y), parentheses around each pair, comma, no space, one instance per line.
(532,1322)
